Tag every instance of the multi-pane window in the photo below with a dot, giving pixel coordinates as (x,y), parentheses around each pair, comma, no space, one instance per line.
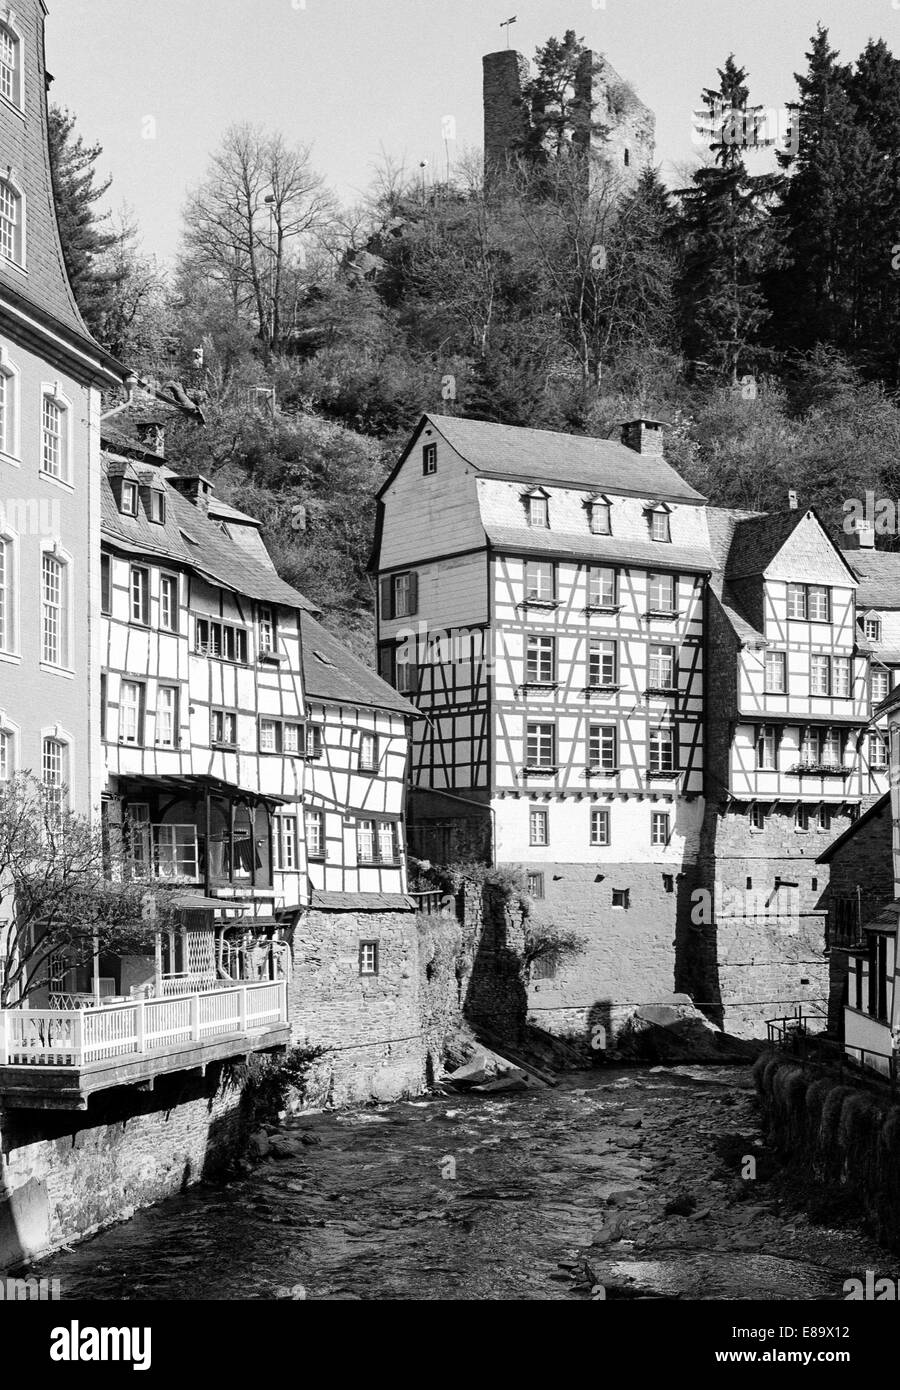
(53,611)
(820,675)
(872,629)
(776,679)
(314,740)
(540,745)
(659,526)
(602,662)
(223,727)
(402,596)
(600,826)
(167,716)
(796,600)
(819,603)
(662,593)
(140,595)
(53,773)
(767,749)
(662,750)
(129,499)
(266,631)
(368,752)
(821,747)
(368,958)
(840,676)
(131,712)
(538,826)
(286,843)
(10,211)
(168,602)
(757,816)
(7,638)
(601,587)
(223,641)
(661,670)
(831,748)
(602,747)
(5,756)
(8,409)
(277,736)
(540,580)
(535,885)
(540,660)
(538,511)
(53,437)
(175,851)
(600,517)
(314,824)
(877,751)
(659,828)
(376,842)
(429,459)
(879,685)
(9,56)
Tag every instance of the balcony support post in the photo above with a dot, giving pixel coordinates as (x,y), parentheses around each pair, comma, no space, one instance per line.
(242,1005)
(141,1025)
(195,1017)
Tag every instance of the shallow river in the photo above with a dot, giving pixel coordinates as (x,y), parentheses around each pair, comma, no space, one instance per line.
(539,1195)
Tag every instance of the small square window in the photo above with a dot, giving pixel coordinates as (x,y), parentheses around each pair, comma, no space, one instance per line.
(368,958)
(535,885)
(621,897)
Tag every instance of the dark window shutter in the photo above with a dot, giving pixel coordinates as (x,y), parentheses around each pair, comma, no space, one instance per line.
(413,592)
(387,597)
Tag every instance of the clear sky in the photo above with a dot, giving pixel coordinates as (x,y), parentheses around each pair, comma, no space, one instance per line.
(355,76)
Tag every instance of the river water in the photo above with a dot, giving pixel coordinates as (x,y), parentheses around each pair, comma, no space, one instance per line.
(627,1182)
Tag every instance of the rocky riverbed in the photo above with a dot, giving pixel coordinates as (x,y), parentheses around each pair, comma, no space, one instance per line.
(613,1184)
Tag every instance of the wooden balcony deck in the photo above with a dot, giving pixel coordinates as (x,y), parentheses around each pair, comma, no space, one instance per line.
(56,1058)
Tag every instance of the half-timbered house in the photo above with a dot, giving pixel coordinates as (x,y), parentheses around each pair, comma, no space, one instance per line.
(541,600)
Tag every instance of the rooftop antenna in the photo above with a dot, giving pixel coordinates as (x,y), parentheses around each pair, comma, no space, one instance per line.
(505,25)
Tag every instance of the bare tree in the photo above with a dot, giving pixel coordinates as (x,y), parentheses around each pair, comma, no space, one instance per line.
(63,892)
(248,223)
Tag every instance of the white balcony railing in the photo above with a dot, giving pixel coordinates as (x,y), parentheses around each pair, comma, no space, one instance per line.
(79,1037)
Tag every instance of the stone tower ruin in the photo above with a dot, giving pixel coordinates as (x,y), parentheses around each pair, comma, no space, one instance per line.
(628,145)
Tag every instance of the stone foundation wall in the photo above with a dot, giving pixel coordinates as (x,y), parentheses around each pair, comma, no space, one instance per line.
(64,1174)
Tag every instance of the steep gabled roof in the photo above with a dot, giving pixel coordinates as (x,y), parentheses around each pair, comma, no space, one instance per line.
(882,804)
(546,456)
(189,538)
(334,676)
(756,540)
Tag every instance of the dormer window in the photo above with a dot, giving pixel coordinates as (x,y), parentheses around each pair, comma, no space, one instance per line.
(156,507)
(537,509)
(872,629)
(658,517)
(129,499)
(429,460)
(600,517)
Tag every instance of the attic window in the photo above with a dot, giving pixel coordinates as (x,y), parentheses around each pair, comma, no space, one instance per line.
(599,514)
(156,507)
(872,629)
(429,460)
(537,509)
(659,523)
(129,499)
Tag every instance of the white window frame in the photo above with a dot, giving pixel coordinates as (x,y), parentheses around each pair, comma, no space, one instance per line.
(600,592)
(52,391)
(132,712)
(660,829)
(133,571)
(881,675)
(288,859)
(541,571)
(62,557)
(656,583)
(538,826)
(660,528)
(18,259)
(603,661)
(600,827)
(162,713)
(659,740)
(9,739)
(314,831)
(9,593)
(539,740)
(130,490)
(63,740)
(877,750)
(540,660)
(766,748)
(872,629)
(769,688)
(603,737)
(167,578)
(538,511)
(16,99)
(10,433)
(661,662)
(368,751)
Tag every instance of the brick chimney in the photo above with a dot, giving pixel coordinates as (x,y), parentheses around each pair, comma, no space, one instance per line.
(195,488)
(644,436)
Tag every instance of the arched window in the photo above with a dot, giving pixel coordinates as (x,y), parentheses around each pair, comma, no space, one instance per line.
(54,611)
(10,222)
(6,755)
(9,406)
(10,64)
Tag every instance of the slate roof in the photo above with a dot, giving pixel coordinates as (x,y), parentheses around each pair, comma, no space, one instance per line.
(530,540)
(214,556)
(882,804)
(552,457)
(756,540)
(878,572)
(342,679)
